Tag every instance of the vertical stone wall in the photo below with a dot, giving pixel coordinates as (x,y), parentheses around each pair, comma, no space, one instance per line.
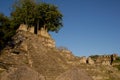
(23,27)
(31,29)
(83,60)
(43,34)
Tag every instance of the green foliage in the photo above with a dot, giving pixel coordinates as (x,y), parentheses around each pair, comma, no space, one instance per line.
(94,56)
(49,16)
(6,30)
(117,66)
(23,12)
(117,60)
(42,15)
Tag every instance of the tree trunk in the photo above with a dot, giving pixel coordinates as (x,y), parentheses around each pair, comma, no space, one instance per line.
(37,26)
(45,28)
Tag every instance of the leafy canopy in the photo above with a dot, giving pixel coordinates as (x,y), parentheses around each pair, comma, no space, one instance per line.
(6,30)
(50,17)
(42,15)
(23,12)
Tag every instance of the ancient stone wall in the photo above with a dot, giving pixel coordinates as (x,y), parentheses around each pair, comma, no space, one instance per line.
(99,59)
(44,33)
(105,59)
(105,62)
(90,61)
(47,41)
(31,29)
(83,60)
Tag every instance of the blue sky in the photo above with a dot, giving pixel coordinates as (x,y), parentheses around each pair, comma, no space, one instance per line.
(90,26)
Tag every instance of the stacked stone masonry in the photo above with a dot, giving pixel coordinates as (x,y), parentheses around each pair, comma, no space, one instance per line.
(47,41)
(99,60)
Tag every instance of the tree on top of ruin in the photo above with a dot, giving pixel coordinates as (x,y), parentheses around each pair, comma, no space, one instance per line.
(39,15)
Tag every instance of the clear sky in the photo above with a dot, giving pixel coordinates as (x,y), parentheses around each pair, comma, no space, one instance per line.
(90,26)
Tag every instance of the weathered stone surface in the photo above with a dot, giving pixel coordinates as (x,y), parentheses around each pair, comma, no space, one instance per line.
(74,74)
(21,73)
(24,46)
(44,33)
(83,60)
(105,62)
(31,29)
(48,42)
(23,27)
(105,59)
(90,61)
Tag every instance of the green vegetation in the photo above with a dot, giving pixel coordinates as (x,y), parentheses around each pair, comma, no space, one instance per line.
(49,17)
(6,30)
(117,63)
(31,13)
(117,60)
(42,15)
(94,56)
(23,12)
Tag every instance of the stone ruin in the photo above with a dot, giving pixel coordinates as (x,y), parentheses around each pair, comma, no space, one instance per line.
(90,61)
(83,60)
(105,59)
(45,36)
(99,60)
(24,27)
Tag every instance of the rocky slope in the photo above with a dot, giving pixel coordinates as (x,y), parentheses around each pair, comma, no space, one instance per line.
(74,74)
(21,73)
(30,50)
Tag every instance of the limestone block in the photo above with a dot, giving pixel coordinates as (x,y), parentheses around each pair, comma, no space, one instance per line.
(83,60)
(24,47)
(43,32)
(23,27)
(50,45)
(31,29)
(105,62)
(90,61)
